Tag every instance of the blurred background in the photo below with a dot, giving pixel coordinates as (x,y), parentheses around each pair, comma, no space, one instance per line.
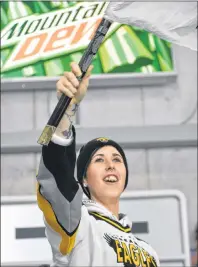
(143,93)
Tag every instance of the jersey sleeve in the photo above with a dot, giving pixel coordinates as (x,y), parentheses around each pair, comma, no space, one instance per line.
(157,259)
(59,196)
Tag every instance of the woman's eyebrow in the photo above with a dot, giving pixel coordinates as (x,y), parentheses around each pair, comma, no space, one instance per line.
(102,155)
(113,154)
(116,154)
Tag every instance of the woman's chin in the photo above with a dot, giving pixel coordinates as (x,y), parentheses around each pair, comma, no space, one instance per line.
(112,193)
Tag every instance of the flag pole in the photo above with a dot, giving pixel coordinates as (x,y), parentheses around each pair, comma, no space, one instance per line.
(84,64)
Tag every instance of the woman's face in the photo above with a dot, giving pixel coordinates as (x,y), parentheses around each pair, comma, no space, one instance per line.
(106,173)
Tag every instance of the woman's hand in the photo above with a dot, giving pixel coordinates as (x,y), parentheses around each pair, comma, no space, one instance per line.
(71,87)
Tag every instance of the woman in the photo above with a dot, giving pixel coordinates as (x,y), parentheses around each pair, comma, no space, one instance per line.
(92,232)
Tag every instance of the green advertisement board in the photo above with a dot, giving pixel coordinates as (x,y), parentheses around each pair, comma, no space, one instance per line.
(41,38)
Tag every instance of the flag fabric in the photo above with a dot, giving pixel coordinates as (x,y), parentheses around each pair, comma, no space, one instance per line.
(175,22)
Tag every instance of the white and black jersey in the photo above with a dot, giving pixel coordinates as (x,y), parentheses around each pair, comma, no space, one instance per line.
(83,233)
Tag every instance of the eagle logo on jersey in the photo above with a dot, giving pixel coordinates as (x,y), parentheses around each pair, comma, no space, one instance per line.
(129,253)
(103,139)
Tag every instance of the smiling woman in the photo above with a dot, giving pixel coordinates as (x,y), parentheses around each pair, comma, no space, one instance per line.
(103,172)
(90,232)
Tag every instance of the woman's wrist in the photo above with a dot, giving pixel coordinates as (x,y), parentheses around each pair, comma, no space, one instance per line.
(64,128)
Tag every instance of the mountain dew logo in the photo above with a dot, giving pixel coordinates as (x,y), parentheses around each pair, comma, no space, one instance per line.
(39,37)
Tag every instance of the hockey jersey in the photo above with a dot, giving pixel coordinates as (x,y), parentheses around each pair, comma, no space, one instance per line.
(83,233)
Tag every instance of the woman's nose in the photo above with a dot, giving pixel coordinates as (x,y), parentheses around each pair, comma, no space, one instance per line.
(109,166)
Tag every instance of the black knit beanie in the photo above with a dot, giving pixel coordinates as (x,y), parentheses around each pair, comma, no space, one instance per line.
(86,153)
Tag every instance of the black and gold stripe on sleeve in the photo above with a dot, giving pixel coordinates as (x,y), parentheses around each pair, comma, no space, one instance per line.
(67,239)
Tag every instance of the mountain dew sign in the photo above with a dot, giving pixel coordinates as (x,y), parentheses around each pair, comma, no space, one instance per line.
(41,38)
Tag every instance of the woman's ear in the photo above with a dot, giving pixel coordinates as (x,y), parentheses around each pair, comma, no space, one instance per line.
(85,182)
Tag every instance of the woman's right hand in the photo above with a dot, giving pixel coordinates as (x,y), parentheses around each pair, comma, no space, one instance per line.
(71,87)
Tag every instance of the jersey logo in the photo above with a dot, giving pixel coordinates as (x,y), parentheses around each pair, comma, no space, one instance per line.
(129,253)
(103,139)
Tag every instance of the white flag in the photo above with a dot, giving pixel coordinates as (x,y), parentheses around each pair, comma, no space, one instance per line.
(175,22)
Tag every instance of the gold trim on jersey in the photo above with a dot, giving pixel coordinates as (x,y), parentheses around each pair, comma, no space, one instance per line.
(67,242)
(125,229)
